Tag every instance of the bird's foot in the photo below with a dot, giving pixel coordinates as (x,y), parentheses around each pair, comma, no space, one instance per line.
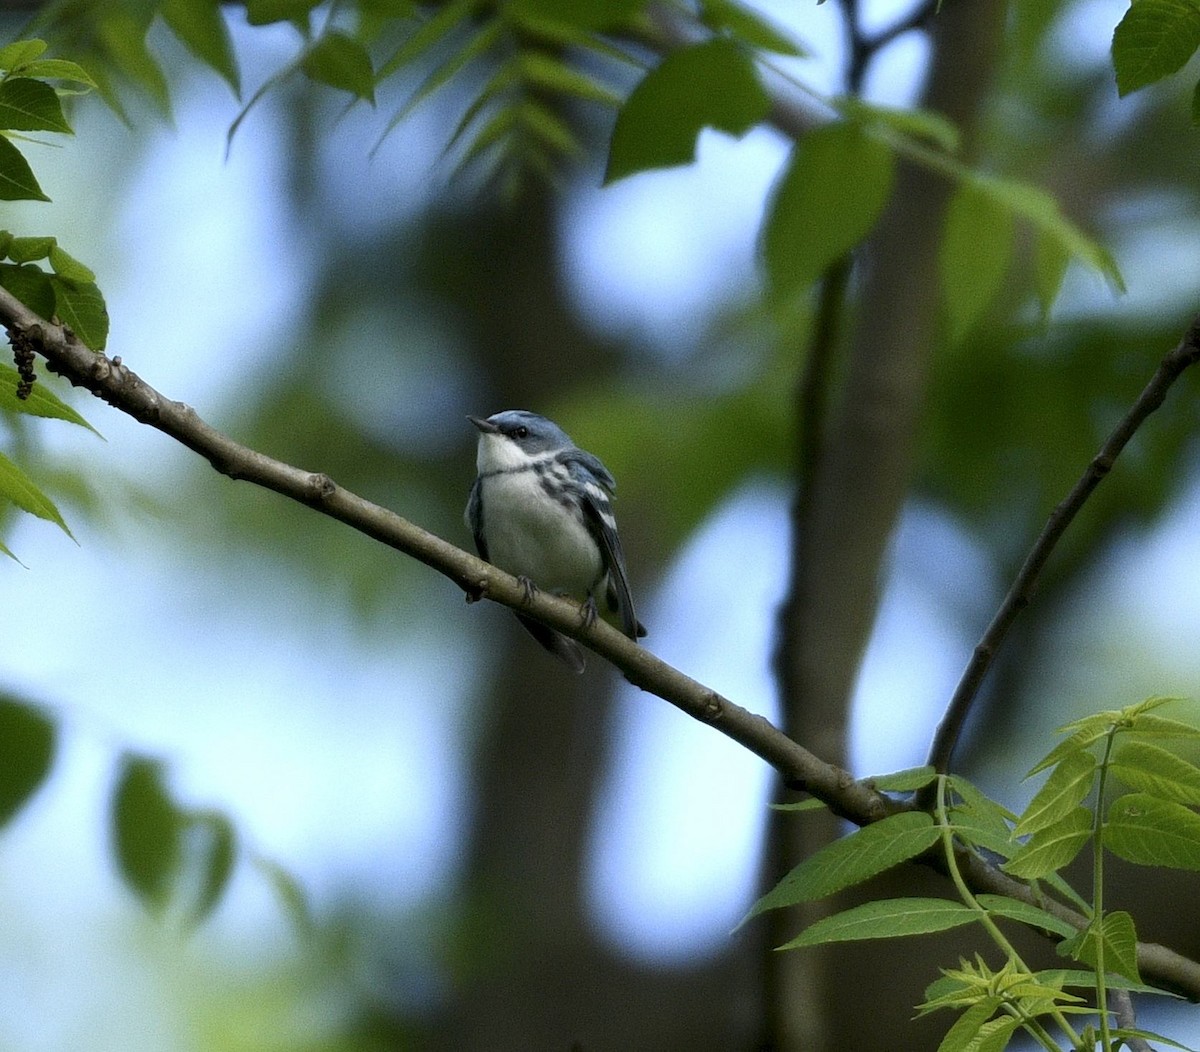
(587,612)
(528,588)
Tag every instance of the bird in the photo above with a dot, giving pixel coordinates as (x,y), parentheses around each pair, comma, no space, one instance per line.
(541,509)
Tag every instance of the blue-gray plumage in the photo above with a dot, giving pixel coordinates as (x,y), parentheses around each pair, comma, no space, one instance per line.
(541,510)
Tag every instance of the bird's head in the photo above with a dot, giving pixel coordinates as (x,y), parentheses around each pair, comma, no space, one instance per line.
(515,437)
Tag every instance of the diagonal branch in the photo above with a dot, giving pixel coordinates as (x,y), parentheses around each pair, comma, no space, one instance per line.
(1186,353)
(113,381)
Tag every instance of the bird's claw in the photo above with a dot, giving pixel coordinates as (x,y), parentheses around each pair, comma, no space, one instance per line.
(588,613)
(528,589)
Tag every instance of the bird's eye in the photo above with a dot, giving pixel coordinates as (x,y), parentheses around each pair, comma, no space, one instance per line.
(522,432)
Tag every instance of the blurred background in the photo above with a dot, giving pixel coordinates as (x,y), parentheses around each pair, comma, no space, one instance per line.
(495,855)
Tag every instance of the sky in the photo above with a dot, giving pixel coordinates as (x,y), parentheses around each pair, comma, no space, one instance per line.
(670,888)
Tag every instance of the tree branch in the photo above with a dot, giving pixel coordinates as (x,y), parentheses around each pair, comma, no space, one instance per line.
(1019,596)
(114,382)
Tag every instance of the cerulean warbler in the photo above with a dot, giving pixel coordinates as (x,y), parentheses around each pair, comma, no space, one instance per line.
(541,510)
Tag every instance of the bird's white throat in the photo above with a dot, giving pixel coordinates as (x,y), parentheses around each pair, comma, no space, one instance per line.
(500,453)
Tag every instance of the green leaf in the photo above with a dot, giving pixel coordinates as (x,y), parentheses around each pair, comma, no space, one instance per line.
(852,859)
(974,256)
(27,741)
(59,69)
(1153,832)
(1154,770)
(42,402)
(19,488)
(480,43)
(1052,847)
(31,285)
(67,266)
(1050,267)
(1066,788)
(16,177)
(797,806)
(1154,39)
(80,305)
(198,23)
(828,200)
(1033,916)
(124,37)
(20,53)
(1085,733)
(967,1035)
(341,62)
(214,856)
(592,15)
(264,12)
(885,919)
(1148,1035)
(428,34)
(912,124)
(906,781)
(1120,945)
(31,105)
(147,831)
(290,893)
(1154,726)
(553,74)
(29,249)
(1042,211)
(709,85)
(748,27)
(1196,105)
(1087,980)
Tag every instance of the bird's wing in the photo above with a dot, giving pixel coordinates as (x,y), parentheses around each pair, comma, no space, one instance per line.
(474,518)
(597,487)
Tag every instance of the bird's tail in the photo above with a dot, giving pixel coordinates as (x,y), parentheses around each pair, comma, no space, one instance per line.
(562,647)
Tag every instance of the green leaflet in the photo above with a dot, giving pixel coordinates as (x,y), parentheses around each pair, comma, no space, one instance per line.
(264,12)
(885,919)
(17,182)
(827,201)
(1152,769)
(19,488)
(1066,788)
(156,843)
(1034,916)
(1153,832)
(41,401)
(852,859)
(748,26)
(1154,39)
(340,62)
(1120,945)
(1052,847)
(27,745)
(199,25)
(974,256)
(31,105)
(709,85)
(147,832)
(80,305)
(591,15)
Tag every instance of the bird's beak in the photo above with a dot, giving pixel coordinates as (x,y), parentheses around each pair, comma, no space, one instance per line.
(486,426)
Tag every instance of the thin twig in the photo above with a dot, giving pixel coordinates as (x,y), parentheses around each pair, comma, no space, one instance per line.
(1122,1007)
(1019,596)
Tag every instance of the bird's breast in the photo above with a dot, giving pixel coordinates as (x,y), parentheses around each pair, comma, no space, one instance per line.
(531,532)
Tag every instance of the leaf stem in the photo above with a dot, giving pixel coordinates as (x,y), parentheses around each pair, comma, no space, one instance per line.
(1098,890)
(1036,1030)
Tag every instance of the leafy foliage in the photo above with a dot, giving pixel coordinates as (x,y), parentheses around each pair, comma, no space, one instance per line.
(27,745)
(1154,39)
(1147,827)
